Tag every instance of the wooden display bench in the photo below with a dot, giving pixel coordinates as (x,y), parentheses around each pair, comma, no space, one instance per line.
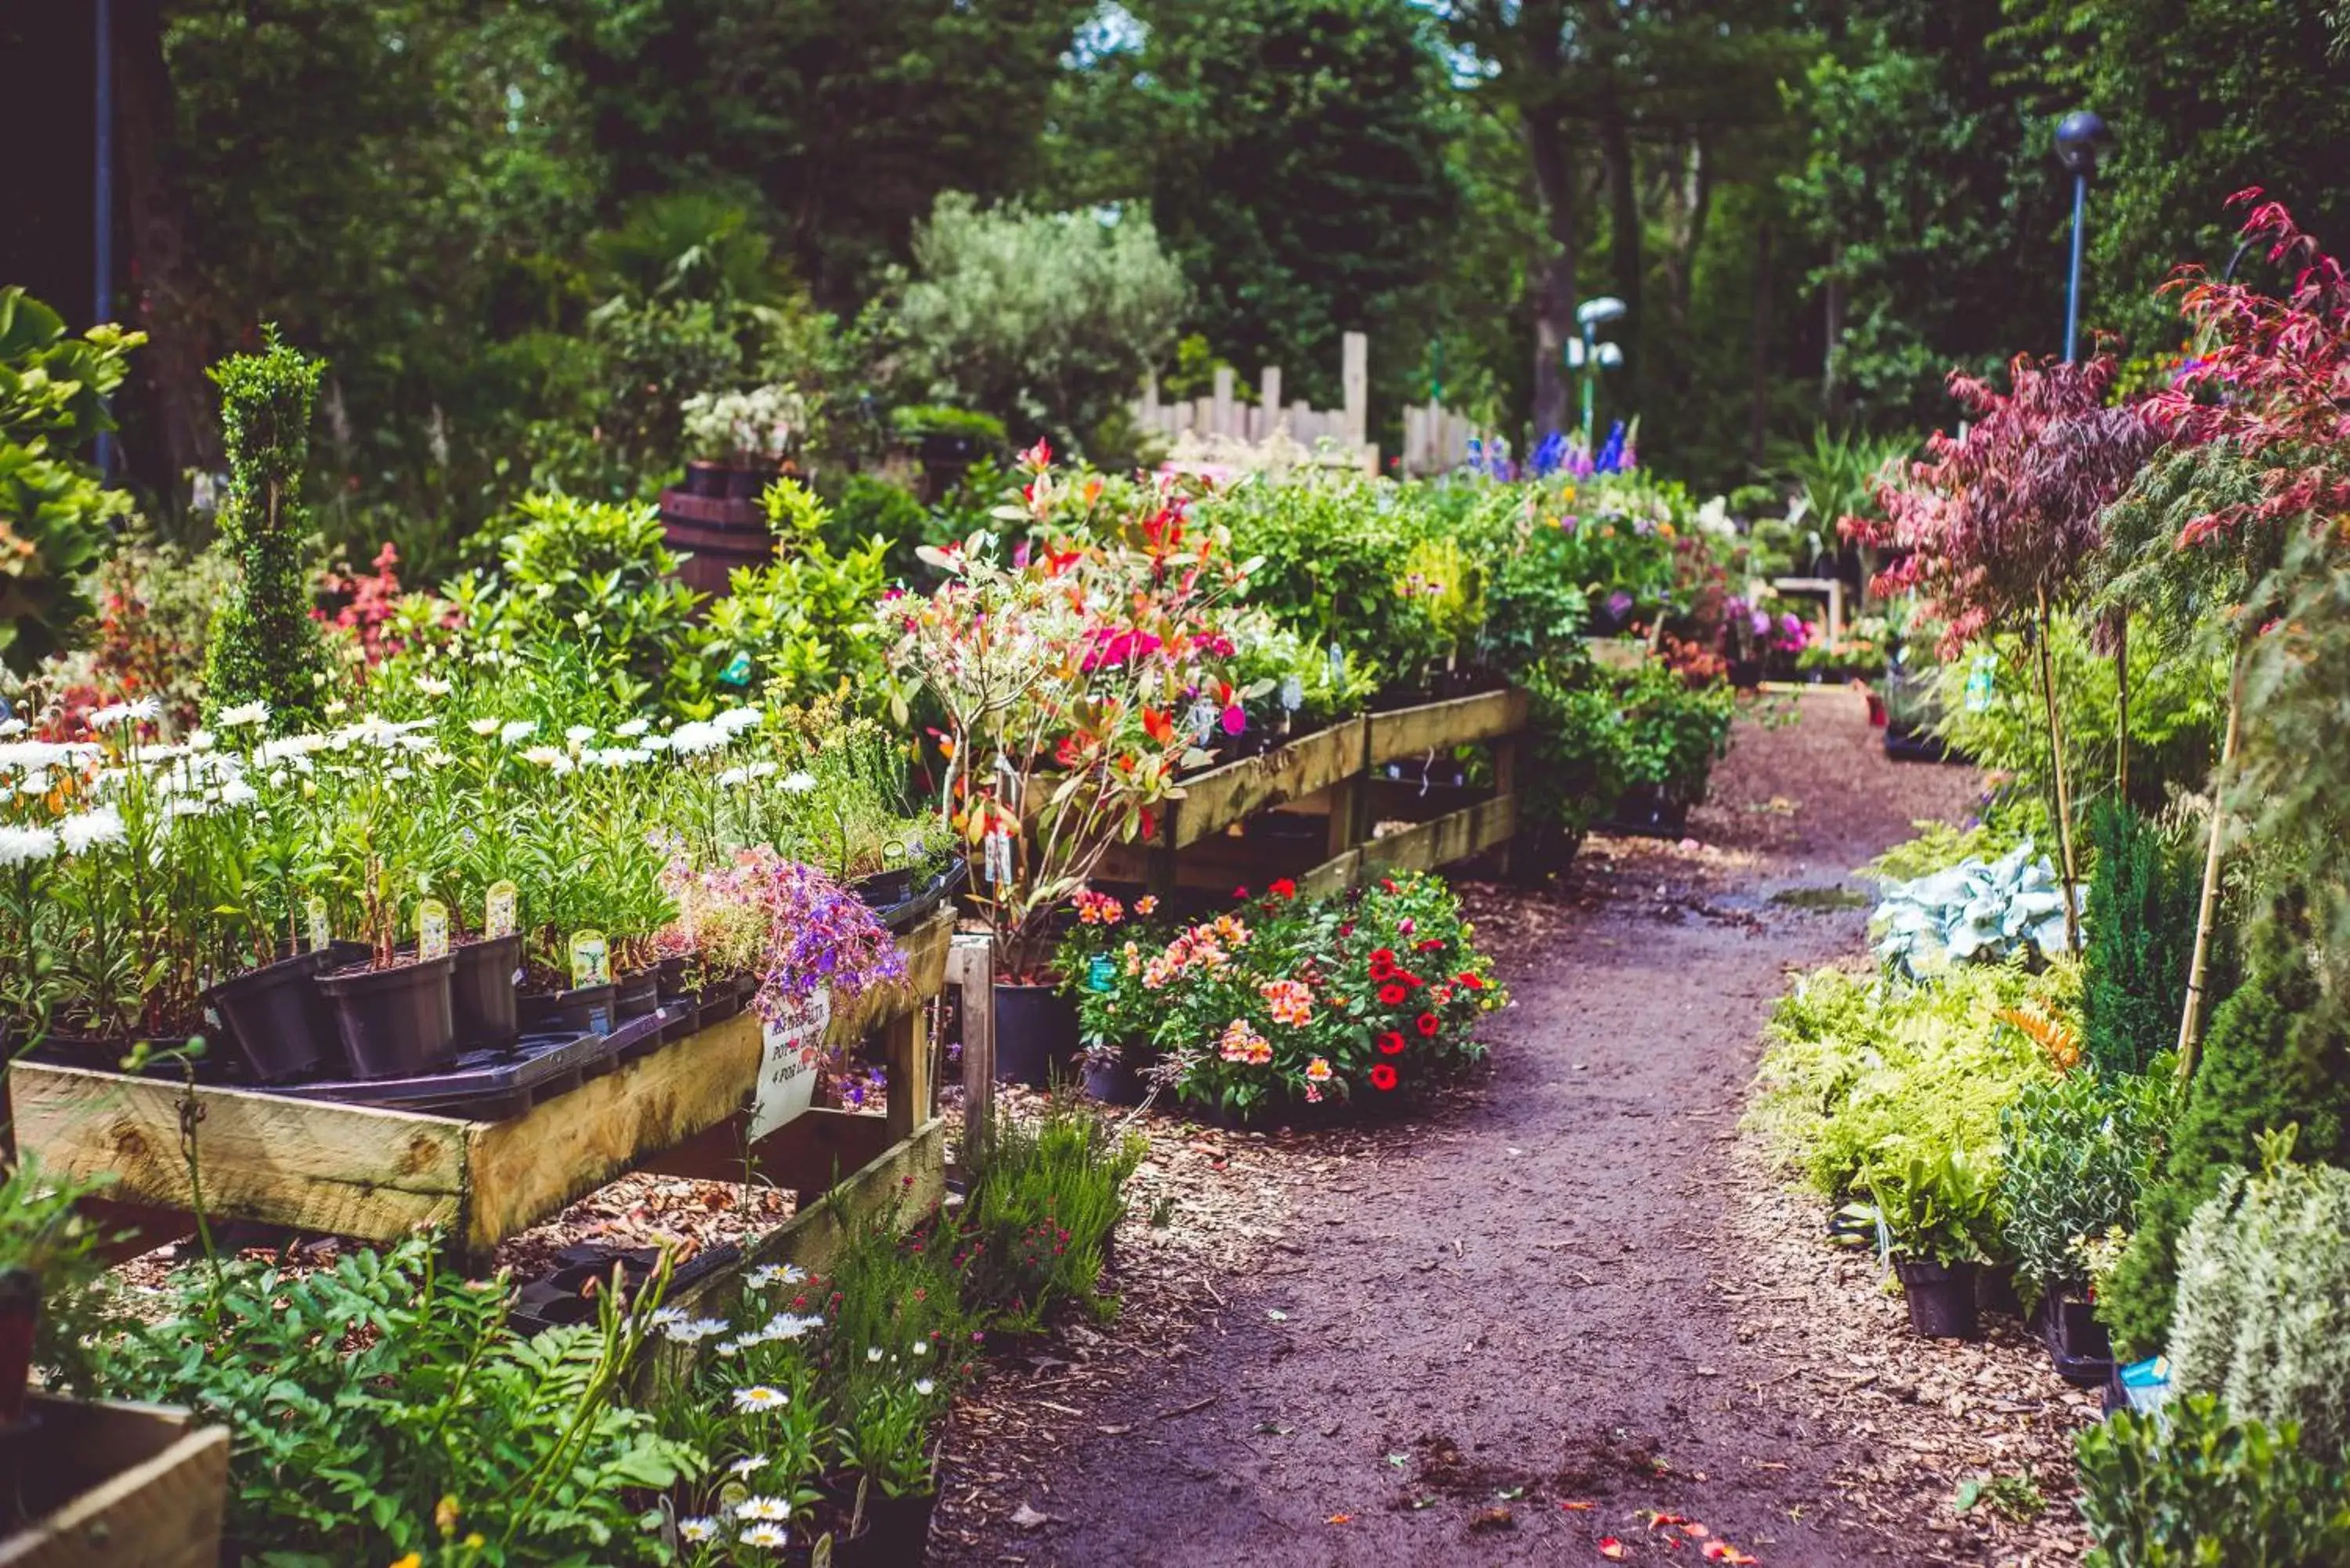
(334,1170)
(107,1485)
(1334,776)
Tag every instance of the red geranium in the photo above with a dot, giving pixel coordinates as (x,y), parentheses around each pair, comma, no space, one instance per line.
(1426,1024)
(1429,944)
(1409,978)
(1391,1043)
(1393,994)
(1471,981)
(1284,889)
(1383,1077)
(1239,892)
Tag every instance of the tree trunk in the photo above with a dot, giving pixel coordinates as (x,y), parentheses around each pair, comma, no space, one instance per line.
(2063,794)
(165,289)
(1625,263)
(1831,372)
(1757,419)
(2190,1021)
(1546,136)
(2121,707)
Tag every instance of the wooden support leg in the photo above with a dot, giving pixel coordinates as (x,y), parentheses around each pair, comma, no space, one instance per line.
(1506,859)
(970,967)
(906,1046)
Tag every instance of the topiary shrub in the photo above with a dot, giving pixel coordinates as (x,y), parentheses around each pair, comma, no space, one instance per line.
(2141,935)
(264,647)
(2197,1486)
(2264,1314)
(2273,1059)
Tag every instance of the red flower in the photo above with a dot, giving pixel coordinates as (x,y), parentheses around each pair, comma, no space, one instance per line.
(1284,889)
(1426,1024)
(1393,994)
(1383,957)
(1429,944)
(1383,1077)
(1409,978)
(1240,892)
(1391,1043)
(1471,981)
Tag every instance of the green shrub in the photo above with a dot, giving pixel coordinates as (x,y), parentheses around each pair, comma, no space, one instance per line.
(801,627)
(1041,1210)
(264,647)
(54,507)
(359,1397)
(1859,1072)
(2264,1314)
(2073,1156)
(1941,1209)
(2195,1489)
(2140,937)
(1598,733)
(2272,1059)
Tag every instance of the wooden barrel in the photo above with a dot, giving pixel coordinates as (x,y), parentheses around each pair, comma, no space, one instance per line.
(715,534)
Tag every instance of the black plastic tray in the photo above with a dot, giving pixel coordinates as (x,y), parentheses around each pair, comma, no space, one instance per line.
(554,1299)
(897,916)
(491,1085)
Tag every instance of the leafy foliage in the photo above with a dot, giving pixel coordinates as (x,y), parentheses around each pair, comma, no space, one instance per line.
(54,507)
(2141,934)
(1034,1229)
(1976,911)
(2195,1485)
(264,647)
(2074,1155)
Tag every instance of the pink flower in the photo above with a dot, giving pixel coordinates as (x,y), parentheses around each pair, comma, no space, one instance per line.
(1235,721)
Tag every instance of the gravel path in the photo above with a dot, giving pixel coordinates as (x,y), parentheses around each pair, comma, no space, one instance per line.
(1528,1321)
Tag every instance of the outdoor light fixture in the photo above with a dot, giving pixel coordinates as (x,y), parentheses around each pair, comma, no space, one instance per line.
(1590,356)
(2078,136)
(1610,357)
(1607,308)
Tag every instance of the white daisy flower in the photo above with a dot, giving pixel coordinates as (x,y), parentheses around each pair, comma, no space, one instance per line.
(798,783)
(771,1508)
(579,734)
(11,728)
(768,1274)
(288,746)
(664,1316)
(432,686)
(632,729)
(733,777)
(772,1537)
(694,1330)
(695,737)
(697,1530)
(873,1352)
(119,713)
(253,713)
(765,770)
(236,791)
(750,1466)
(734,720)
(553,757)
(483,726)
(337,709)
(91,829)
(201,741)
(920,1347)
(788,1325)
(26,845)
(760,1397)
(515,730)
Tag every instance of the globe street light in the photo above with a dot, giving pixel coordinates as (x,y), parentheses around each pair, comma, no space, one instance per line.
(1591,356)
(2078,137)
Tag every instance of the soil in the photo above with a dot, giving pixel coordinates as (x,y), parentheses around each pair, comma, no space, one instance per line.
(1564,1308)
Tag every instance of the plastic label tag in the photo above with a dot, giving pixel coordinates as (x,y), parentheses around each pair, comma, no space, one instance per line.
(498,909)
(1982,680)
(432,929)
(737,671)
(314,911)
(591,961)
(1100,972)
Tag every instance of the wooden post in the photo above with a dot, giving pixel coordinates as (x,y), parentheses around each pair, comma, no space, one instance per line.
(970,969)
(1355,377)
(1221,403)
(1268,395)
(1506,787)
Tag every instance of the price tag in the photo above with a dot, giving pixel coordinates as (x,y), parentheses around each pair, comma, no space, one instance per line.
(737,671)
(1293,693)
(791,1049)
(498,909)
(1101,974)
(591,961)
(314,909)
(432,929)
(1982,679)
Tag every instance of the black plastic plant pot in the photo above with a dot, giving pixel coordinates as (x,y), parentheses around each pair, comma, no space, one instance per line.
(275,1015)
(481,992)
(1995,1293)
(2078,1344)
(671,970)
(1036,1038)
(20,1311)
(636,995)
(585,1010)
(1116,1082)
(886,889)
(897,1533)
(395,1022)
(1941,1298)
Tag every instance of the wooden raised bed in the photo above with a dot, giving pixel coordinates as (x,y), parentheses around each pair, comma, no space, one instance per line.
(115,1485)
(1333,775)
(339,1170)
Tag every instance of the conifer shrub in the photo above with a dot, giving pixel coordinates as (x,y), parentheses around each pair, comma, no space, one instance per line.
(2141,935)
(265,645)
(2274,1058)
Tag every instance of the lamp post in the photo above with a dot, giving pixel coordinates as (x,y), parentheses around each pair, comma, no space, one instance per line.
(2078,136)
(1591,356)
(103,197)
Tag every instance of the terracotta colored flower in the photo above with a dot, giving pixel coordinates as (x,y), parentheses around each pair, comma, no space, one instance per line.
(1394,993)
(1426,1024)
(1318,1070)
(1383,1077)
(1391,1043)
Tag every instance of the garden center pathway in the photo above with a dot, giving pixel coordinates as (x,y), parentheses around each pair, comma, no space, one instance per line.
(1529,1300)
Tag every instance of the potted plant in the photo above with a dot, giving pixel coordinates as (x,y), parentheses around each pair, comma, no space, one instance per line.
(1938,1213)
(48,1260)
(947,441)
(885,1441)
(1061,675)
(745,437)
(392,1010)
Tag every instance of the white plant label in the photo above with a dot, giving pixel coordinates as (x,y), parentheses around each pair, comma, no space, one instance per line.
(498,909)
(432,929)
(322,935)
(591,961)
(791,1050)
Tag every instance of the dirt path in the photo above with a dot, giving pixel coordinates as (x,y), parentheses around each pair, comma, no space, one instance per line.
(1535,1297)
